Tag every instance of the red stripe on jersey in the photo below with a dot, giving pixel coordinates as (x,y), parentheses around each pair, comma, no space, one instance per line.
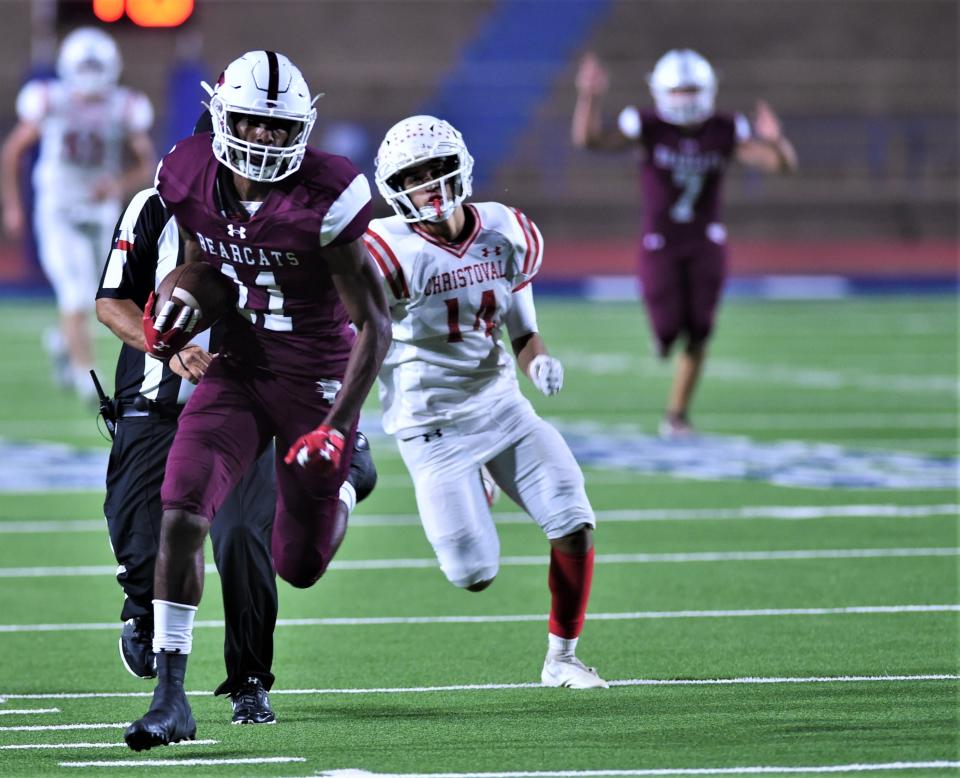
(536,244)
(383,267)
(387,252)
(123,245)
(526,236)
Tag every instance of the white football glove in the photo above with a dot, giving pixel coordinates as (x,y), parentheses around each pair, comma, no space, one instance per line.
(546,374)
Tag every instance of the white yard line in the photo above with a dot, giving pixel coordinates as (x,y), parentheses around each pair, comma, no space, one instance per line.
(39,746)
(753,512)
(186,762)
(746,680)
(735,371)
(527,561)
(857,767)
(526,617)
(27,711)
(52,727)
(59,527)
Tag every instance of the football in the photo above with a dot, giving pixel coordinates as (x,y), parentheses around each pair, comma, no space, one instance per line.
(198,286)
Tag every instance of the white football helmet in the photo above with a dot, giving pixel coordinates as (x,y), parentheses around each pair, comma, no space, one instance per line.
(683,69)
(411,142)
(89,62)
(261,83)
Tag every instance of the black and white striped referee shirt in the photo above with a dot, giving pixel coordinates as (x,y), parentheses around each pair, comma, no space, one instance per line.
(146,246)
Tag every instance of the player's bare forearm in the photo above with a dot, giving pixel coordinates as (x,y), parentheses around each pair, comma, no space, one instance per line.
(362,294)
(191,246)
(587,130)
(124,319)
(769,155)
(526,347)
(769,150)
(144,157)
(22,137)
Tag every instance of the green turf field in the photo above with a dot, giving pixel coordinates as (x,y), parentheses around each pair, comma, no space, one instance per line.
(782,594)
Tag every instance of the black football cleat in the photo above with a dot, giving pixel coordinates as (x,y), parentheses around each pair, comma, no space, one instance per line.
(169,720)
(251,704)
(136,647)
(363,473)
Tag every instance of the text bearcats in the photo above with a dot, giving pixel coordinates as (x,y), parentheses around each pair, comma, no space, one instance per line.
(248,255)
(665,157)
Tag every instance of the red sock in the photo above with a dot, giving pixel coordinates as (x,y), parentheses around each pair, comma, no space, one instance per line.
(569,579)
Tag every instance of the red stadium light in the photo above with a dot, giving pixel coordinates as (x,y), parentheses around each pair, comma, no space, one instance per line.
(159,13)
(145,13)
(108,10)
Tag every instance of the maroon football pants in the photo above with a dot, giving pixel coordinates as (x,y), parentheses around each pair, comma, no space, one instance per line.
(230,418)
(681,292)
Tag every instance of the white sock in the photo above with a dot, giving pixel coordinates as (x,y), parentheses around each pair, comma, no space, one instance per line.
(558,647)
(173,626)
(82,383)
(348,496)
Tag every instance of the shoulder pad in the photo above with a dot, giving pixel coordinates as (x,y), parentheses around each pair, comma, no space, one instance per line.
(33,101)
(181,171)
(381,239)
(523,235)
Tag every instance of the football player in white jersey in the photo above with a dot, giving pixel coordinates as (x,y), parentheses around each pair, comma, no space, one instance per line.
(94,150)
(455,275)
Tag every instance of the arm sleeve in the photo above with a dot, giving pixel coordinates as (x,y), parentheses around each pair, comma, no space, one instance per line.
(348,216)
(139,114)
(131,267)
(32,102)
(528,248)
(629,122)
(741,128)
(521,319)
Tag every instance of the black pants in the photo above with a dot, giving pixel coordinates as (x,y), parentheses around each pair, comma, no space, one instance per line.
(240,535)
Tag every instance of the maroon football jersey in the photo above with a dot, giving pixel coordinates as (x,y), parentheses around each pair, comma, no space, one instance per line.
(681,177)
(290,317)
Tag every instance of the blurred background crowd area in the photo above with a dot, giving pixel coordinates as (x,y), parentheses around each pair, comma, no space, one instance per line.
(867,91)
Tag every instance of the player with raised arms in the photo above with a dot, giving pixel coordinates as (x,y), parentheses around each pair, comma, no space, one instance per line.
(456,276)
(285,222)
(686,147)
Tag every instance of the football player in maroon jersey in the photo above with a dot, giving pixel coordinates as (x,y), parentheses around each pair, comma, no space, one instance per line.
(285,222)
(686,146)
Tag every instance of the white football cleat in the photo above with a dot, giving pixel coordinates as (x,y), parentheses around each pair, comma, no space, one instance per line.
(571,673)
(676,427)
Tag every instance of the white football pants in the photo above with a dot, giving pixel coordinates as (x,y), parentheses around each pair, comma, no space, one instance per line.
(73,253)
(529,460)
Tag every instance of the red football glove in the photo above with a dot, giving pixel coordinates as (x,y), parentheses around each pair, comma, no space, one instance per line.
(164,341)
(321,448)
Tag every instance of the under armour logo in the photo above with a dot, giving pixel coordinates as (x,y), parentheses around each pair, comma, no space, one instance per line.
(496,251)
(236,232)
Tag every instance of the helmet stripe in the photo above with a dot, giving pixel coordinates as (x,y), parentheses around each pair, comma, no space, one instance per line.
(273,84)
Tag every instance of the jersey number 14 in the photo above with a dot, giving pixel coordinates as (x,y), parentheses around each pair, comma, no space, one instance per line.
(485,314)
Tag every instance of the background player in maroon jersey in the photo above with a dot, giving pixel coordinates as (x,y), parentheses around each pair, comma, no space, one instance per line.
(686,148)
(286,223)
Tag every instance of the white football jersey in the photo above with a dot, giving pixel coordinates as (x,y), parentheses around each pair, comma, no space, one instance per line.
(447,361)
(81,140)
